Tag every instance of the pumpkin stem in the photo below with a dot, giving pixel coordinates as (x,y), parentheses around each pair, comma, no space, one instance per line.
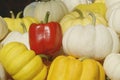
(80,13)
(93,18)
(24,27)
(12,15)
(18,14)
(46,17)
(90,1)
(43,56)
(107,78)
(81,59)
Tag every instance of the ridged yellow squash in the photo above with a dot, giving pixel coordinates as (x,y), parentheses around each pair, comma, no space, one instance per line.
(81,17)
(95,7)
(15,24)
(21,63)
(70,68)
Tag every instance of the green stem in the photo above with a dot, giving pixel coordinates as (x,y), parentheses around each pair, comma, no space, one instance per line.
(80,13)
(93,18)
(90,13)
(46,17)
(18,15)
(24,27)
(12,15)
(107,78)
(43,56)
(81,59)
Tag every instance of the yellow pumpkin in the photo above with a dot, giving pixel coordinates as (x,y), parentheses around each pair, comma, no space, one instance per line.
(80,17)
(21,63)
(95,7)
(14,24)
(70,68)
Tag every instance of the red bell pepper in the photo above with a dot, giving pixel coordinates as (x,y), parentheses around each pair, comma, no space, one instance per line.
(45,38)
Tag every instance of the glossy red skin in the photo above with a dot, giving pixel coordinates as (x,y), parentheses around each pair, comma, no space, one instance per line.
(45,38)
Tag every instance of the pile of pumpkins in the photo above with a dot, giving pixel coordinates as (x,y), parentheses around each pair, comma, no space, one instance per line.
(90,42)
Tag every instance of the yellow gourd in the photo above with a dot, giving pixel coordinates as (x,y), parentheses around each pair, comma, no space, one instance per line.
(70,68)
(99,1)
(21,63)
(80,17)
(14,24)
(95,7)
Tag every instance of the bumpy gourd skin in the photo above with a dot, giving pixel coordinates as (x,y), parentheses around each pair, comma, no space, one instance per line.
(21,63)
(69,68)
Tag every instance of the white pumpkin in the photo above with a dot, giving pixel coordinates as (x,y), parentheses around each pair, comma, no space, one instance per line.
(110,3)
(28,10)
(38,10)
(113,17)
(90,41)
(2,73)
(73,3)
(3,28)
(112,67)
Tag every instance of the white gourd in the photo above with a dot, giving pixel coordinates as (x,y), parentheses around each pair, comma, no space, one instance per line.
(28,10)
(38,10)
(57,10)
(113,17)
(3,28)
(90,41)
(15,36)
(2,73)
(112,67)
(110,3)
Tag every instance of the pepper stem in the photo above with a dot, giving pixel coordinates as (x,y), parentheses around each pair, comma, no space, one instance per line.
(47,17)
(24,27)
